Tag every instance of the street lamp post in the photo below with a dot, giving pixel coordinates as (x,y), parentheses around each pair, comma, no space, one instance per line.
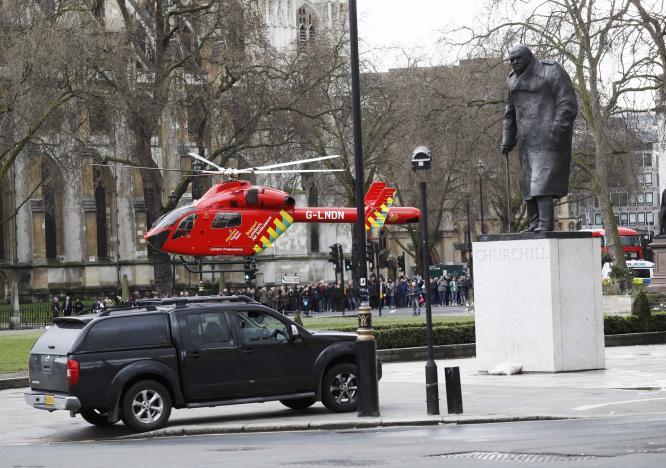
(173,200)
(421,160)
(468,245)
(366,351)
(197,167)
(480,170)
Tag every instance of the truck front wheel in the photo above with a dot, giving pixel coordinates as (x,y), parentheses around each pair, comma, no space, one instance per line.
(339,389)
(146,406)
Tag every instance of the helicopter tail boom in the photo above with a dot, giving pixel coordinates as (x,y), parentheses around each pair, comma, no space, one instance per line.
(394,215)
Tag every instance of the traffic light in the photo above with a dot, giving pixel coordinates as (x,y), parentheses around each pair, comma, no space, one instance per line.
(401,262)
(383,259)
(348,264)
(250,271)
(370,250)
(333,255)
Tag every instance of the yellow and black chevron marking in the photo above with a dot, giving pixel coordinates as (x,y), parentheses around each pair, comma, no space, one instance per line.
(377,218)
(274,230)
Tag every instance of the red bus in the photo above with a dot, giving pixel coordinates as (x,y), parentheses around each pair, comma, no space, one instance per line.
(630,238)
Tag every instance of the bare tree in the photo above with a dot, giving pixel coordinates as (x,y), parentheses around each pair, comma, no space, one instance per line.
(43,58)
(596,41)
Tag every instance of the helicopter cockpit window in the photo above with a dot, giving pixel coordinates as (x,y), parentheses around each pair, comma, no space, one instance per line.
(185,226)
(226,220)
(171,217)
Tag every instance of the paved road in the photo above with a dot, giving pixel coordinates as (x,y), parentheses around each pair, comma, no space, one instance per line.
(607,442)
(632,385)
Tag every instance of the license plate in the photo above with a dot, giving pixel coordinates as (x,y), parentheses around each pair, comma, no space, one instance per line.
(49,400)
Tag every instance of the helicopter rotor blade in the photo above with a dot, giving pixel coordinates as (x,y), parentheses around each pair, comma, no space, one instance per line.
(206,161)
(296,171)
(124,166)
(290,163)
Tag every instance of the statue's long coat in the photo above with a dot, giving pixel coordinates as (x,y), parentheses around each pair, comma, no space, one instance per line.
(538,120)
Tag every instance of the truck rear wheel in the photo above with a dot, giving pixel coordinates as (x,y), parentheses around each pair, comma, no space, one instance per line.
(95,417)
(146,406)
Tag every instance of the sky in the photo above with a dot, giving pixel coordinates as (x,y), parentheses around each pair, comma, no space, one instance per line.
(413,25)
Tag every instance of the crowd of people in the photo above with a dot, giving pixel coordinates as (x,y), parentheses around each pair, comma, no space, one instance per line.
(321,296)
(324,297)
(64,307)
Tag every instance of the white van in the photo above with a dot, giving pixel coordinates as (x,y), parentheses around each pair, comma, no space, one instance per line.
(641,270)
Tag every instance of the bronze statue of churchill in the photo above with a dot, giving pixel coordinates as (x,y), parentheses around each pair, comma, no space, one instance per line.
(538,120)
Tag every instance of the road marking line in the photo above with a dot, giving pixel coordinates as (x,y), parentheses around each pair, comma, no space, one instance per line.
(587,407)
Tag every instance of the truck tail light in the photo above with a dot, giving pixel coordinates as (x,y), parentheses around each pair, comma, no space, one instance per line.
(73,372)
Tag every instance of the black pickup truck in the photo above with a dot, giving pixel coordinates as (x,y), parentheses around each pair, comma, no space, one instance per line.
(137,364)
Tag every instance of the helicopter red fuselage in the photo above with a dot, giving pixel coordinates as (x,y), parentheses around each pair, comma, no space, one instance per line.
(240,219)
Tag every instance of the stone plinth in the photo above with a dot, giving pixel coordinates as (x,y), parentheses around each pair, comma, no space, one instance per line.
(658,280)
(537,301)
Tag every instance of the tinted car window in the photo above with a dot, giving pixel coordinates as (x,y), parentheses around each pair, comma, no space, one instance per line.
(209,329)
(258,327)
(127,332)
(58,339)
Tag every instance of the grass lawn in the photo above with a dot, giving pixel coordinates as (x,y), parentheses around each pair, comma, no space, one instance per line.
(333,323)
(15,349)
(15,346)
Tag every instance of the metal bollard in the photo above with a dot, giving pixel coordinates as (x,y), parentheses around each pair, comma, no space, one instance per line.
(453,391)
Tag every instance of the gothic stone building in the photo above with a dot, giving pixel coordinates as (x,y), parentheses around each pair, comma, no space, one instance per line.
(82,231)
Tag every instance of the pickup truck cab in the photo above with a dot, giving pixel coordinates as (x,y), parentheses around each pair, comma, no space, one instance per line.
(138,363)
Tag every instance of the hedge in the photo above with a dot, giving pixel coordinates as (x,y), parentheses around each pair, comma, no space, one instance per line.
(617,324)
(409,337)
(392,336)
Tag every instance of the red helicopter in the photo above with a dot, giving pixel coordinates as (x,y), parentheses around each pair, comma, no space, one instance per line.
(240,219)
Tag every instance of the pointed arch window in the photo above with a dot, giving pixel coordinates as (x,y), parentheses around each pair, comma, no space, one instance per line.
(307,24)
(103,183)
(3,226)
(52,198)
(102,240)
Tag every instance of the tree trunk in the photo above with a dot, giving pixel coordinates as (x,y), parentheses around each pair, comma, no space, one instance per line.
(152,191)
(602,149)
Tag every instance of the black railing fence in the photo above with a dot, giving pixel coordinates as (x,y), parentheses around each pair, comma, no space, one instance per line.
(37,315)
(32,316)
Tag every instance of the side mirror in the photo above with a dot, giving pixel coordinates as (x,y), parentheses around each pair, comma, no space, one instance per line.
(294,332)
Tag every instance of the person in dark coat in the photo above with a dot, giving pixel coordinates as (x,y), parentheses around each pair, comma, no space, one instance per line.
(56,307)
(78,306)
(67,307)
(538,120)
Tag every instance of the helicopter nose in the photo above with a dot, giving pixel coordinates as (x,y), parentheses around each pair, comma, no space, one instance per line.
(157,240)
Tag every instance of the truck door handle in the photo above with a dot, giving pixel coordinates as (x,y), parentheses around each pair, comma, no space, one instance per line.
(247,351)
(196,354)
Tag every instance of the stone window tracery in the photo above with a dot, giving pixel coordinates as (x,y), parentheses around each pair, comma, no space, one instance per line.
(307,24)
